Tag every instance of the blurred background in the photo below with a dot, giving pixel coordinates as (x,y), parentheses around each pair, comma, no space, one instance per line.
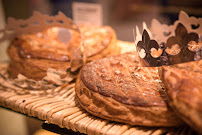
(122,15)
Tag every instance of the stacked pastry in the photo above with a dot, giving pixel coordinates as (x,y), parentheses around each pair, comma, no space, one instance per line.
(32,54)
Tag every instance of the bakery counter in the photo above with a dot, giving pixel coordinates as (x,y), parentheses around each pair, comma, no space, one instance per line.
(62,113)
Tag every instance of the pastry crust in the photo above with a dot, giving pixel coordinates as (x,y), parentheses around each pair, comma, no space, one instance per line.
(99,42)
(116,89)
(31,68)
(184,91)
(31,55)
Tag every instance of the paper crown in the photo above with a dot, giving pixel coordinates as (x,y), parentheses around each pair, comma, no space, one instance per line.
(181,43)
(36,23)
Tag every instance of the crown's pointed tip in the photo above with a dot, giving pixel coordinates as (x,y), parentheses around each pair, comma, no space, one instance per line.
(182,15)
(145,31)
(144,25)
(182,12)
(180,26)
(60,13)
(153,19)
(137,29)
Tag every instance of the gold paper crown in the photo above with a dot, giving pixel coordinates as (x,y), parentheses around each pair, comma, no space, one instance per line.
(36,23)
(172,44)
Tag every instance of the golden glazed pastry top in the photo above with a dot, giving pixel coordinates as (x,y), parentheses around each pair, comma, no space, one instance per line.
(120,77)
(53,43)
(184,91)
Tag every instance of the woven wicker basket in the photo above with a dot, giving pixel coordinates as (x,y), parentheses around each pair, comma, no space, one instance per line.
(62,109)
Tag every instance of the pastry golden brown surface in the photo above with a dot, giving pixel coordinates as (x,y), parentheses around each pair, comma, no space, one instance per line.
(32,54)
(115,88)
(184,90)
(99,42)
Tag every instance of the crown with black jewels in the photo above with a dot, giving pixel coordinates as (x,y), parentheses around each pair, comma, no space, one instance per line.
(181,46)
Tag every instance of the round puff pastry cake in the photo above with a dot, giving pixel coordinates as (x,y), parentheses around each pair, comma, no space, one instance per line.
(32,54)
(116,89)
(184,90)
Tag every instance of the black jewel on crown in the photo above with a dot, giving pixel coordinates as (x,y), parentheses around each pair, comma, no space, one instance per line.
(183,47)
